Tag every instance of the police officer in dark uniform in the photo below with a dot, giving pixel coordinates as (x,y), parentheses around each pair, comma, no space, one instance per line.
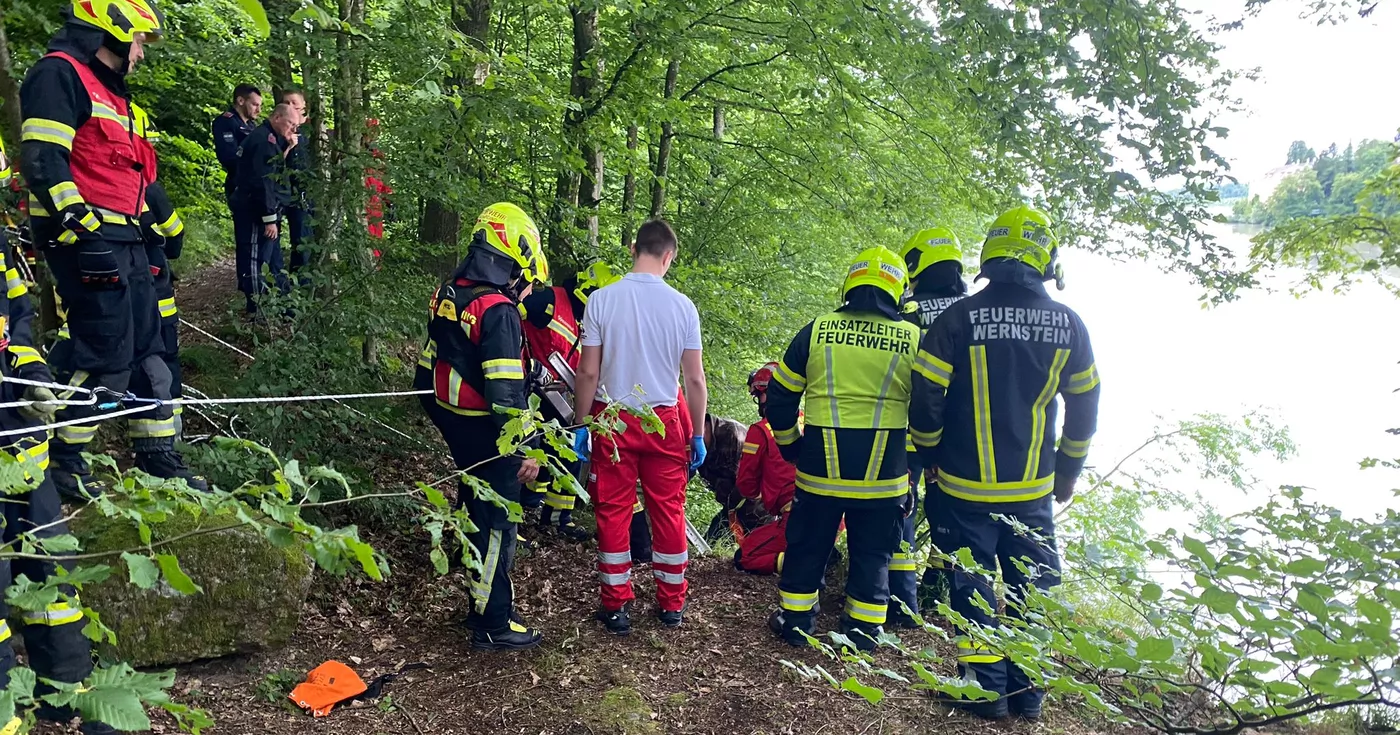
(934,259)
(854,367)
(87,181)
(299,211)
(230,129)
(261,193)
(474,361)
(984,414)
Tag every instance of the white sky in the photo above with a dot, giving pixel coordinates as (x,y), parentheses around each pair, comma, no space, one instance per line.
(1321,84)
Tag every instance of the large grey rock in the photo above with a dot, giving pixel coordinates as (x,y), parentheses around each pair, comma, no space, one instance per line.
(252,598)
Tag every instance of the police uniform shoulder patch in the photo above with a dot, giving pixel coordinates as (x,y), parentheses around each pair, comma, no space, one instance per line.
(227,114)
(272,138)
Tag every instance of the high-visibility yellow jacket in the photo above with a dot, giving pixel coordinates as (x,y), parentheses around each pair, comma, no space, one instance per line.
(854,369)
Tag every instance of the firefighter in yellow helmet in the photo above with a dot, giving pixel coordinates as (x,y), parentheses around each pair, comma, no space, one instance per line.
(87,179)
(934,259)
(474,361)
(853,367)
(553,324)
(984,414)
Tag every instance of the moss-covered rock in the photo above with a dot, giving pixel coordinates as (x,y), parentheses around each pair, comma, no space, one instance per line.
(252,598)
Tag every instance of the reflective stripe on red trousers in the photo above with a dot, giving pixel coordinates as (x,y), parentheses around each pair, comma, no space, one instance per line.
(661,465)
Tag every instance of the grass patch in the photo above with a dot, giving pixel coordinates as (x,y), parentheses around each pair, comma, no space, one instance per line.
(620,710)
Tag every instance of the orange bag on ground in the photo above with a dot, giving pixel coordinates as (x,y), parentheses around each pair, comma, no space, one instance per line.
(326,686)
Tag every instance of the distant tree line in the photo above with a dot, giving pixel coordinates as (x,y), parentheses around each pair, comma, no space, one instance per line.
(1332,184)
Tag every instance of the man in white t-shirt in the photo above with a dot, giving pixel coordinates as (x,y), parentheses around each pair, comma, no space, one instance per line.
(639,337)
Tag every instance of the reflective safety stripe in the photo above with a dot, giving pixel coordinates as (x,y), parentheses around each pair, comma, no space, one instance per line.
(47,131)
(909,442)
(79,377)
(797,601)
(56,614)
(787,437)
(901,562)
(38,454)
(933,368)
(833,457)
(14,284)
(167,308)
(558,501)
(833,487)
(481,586)
(614,557)
(926,438)
(660,558)
(5,631)
(1071,447)
(750,448)
(429,353)
(171,227)
(461,411)
(865,612)
(982,414)
(75,434)
(788,378)
(104,112)
(1083,382)
(637,507)
(877,455)
(560,329)
(36,207)
(781,555)
(150,428)
(976,653)
(668,577)
(995,492)
(885,388)
(507,369)
(24,355)
(830,356)
(65,194)
(1038,409)
(615,579)
(116,218)
(270,219)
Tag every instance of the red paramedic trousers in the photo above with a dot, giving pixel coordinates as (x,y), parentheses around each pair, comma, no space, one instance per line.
(661,464)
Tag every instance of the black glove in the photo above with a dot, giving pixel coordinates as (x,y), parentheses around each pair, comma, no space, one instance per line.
(80,224)
(97,265)
(910,500)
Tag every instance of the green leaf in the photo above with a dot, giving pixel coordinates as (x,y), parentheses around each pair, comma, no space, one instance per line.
(1155,649)
(364,554)
(1150,592)
(1305,567)
(141,570)
(1197,548)
(175,576)
(22,683)
(868,693)
(118,707)
(254,9)
(60,543)
(1220,601)
(439,559)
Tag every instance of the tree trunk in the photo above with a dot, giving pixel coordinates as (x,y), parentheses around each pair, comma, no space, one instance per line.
(279,56)
(629,188)
(9,91)
(441,224)
(717,131)
(569,182)
(663,147)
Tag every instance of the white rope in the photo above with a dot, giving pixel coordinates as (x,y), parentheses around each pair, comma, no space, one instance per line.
(284,399)
(42,384)
(74,422)
(216,339)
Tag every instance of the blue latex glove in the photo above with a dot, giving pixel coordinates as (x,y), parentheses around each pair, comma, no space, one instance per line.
(697,452)
(581,443)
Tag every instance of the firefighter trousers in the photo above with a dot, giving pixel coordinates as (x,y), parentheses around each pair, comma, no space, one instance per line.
(936,580)
(993,542)
(660,463)
(115,342)
(472,439)
(53,637)
(873,532)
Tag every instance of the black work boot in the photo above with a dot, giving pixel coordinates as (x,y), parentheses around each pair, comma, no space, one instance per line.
(672,619)
(861,634)
(996,709)
(572,532)
(777,623)
(617,622)
(65,715)
(72,477)
(902,620)
(513,637)
(158,458)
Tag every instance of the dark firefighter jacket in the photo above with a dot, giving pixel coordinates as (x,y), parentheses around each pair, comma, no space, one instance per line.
(923,309)
(260,185)
(854,366)
(21,359)
(552,319)
(985,383)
